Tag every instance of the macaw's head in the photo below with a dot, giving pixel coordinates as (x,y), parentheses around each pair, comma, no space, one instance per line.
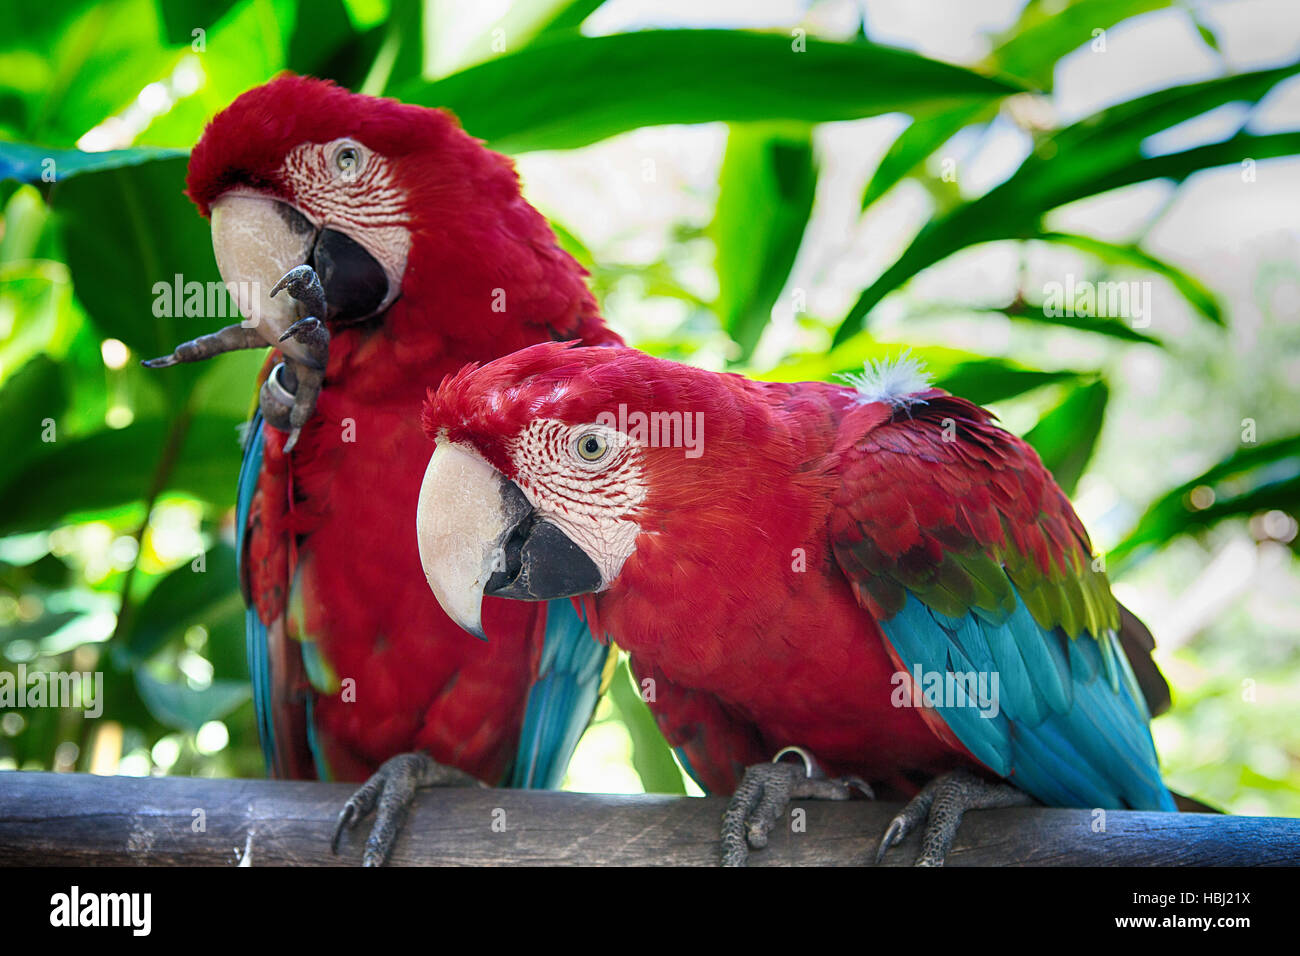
(562,471)
(300,171)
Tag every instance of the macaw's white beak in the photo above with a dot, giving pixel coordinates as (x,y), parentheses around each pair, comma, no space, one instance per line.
(257,240)
(478,535)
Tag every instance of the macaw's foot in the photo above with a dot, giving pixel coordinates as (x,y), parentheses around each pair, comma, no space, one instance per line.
(229,339)
(290,392)
(766,790)
(941,804)
(392,788)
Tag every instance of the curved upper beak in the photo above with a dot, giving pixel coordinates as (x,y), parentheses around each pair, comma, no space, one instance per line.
(479,536)
(258,238)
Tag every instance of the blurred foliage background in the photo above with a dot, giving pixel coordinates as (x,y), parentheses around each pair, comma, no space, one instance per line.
(783,188)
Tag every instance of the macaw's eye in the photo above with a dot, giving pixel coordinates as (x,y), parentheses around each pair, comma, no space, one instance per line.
(591,446)
(347,159)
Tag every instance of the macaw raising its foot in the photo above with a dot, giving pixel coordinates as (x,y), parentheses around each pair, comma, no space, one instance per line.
(874,573)
(376,247)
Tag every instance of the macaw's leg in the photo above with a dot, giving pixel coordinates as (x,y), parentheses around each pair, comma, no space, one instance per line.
(392,788)
(229,339)
(941,804)
(766,790)
(300,381)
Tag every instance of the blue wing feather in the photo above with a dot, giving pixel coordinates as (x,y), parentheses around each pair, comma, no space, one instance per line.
(1070,728)
(255,634)
(562,699)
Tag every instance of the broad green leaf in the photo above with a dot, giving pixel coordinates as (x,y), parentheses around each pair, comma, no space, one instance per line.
(1115,328)
(1100,153)
(765,197)
(1065,437)
(1045,33)
(113,468)
(918,142)
(247,46)
(181,707)
(1048,30)
(651,756)
(325,44)
(182,17)
(35,164)
(523,100)
(129,232)
(32,397)
(1256,478)
(100,61)
(193,594)
(988,381)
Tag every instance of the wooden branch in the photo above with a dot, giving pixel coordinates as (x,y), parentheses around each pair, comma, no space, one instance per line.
(78,819)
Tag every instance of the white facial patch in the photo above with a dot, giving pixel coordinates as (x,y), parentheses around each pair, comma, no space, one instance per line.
(358,198)
(595,504)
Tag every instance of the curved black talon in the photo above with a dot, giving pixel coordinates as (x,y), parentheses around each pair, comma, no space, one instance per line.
(302,329)
(303,284)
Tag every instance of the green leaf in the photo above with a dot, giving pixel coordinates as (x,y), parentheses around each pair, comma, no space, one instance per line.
(1083,323)
(1043,35)
(918,142)
(765,197)
(95,66)
(1255,478)
(35,164)
(651,755)
(182,17)
(1066,436)
(129,232)
(181,707)
(32,395)
(184,598)
(111,469)
(989,381)
(525,100)
(1097,154)
(1191,289)
(1049,30)
(247,46)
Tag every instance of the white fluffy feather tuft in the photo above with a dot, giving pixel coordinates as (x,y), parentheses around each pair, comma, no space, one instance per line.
(894,382)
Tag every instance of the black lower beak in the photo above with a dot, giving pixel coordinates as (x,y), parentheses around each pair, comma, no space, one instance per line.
(541,562)
(355,283)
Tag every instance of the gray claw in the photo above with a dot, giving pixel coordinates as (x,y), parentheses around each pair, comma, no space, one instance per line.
(941,804)
(391,789)
(765,791)
(303,285)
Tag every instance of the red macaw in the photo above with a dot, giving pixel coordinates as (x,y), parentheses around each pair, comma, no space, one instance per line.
(407,250)
(874,573)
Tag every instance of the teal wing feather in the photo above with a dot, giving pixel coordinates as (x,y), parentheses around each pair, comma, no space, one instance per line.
(959,543)
(255,631)
(561,701)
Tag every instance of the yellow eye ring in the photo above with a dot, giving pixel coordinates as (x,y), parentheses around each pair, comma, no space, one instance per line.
(591,447)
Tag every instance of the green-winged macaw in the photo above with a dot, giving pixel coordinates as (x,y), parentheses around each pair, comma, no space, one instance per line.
(874,573)
(406,250)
